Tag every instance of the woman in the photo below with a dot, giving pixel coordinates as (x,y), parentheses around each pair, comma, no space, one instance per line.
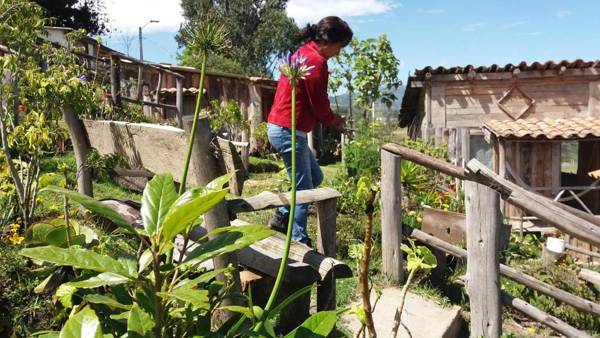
(321,42)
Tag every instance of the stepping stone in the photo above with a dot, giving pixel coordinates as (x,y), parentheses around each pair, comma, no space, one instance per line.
(424,318)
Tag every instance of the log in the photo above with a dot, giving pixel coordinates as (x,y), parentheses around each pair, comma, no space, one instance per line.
(483,262)
(542,317)
(537,314)
(141,172)
(544,208)
(179,101)
(270,200)
(590,276)
(427,161)
(326,233)
(518,276)
(391,216)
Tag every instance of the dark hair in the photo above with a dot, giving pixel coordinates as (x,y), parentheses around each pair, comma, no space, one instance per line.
(330,29)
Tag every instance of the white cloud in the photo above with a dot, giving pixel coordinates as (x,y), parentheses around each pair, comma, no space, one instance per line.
(473,27)
(304,11)
(127,15)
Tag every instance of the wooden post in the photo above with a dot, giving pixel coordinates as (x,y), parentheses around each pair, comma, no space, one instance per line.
(139,82)
(179,101)
(204,166)
(439,136)
(465,141)
(326,233)
(483,266)
(254,114)
(391,216)
(115,80)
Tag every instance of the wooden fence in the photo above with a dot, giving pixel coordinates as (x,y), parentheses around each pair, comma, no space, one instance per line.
(483,191)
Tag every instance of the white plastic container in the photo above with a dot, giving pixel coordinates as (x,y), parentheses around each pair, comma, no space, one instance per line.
(555,244)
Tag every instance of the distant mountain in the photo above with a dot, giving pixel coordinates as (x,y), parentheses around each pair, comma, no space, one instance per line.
(381,110)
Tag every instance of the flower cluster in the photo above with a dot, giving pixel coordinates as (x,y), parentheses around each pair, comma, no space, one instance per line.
(294,66)
(14,237)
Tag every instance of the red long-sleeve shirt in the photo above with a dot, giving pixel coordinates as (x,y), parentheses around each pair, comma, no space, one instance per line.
(312,101)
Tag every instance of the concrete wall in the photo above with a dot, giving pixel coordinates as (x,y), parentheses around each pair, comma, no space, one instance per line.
(160,149)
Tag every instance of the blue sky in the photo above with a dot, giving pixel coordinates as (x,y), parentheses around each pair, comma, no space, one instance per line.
(436,33)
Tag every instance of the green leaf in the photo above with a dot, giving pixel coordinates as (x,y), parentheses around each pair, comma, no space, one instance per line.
(83,324)
(246,312)
(189,207)
(198,298)
(205,277)
(93,205)
(219,182)
(106,300)
(78,258)
(229,239)
(145,260)
(159,195)
(64,293)
(360,314)
(139,321)
(276,310)
(319,325)
(103,279)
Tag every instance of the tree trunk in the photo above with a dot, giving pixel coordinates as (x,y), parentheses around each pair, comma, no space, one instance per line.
(81,148)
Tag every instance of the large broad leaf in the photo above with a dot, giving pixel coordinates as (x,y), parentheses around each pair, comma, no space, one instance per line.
(139,322)
(78,258)
(219,182)
(198,298)
(230,239)
(106,300)
(188,208)
(95,206)
(159,195)
(318,325)
(64,294)
(103,279)
(83,324)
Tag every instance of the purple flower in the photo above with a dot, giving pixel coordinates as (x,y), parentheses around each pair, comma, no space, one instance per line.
(294,66)
(82,78)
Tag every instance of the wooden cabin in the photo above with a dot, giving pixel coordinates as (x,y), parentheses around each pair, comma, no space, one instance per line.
(537,124)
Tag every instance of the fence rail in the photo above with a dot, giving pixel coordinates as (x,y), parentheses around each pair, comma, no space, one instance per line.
(483,190)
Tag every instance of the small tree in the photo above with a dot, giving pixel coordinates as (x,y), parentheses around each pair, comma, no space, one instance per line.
(342,76)
(375,73)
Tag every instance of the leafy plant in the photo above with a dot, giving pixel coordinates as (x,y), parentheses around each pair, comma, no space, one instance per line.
(419,258)
(227,120)
(145,295)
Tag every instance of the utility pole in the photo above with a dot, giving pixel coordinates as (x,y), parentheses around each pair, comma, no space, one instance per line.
(140,37)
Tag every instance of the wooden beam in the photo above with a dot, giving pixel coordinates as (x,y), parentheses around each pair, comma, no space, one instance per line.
(427,161)
(484,220)
(179,101)
(326,236)
(148,103)
(391,216)
(542,317)
(115,80)
(509,272)
(590,276)
(544,208)
(270,200)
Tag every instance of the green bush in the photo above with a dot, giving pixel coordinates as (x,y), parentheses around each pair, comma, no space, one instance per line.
(22,311)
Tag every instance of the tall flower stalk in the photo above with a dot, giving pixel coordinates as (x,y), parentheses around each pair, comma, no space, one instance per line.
(293,67)
(209,36)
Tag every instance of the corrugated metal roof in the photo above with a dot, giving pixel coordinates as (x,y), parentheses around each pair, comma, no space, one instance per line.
(522,66)
(566,128)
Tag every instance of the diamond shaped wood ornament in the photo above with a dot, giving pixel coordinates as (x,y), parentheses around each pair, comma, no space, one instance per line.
(515,103)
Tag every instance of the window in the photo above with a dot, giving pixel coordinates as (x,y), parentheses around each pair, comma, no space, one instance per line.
(569,153)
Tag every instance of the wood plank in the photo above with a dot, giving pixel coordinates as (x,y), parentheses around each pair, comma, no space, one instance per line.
(594,98)
(391,216)
(518,276)
(179,101)
(270,200)
(265,256)
(233,165)
(326,237)
(562,87)
(466,145)
(447,226)
(438,106)
(542,99)
(483,220)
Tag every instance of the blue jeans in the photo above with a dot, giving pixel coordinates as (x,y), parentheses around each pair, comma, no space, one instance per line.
(308,173)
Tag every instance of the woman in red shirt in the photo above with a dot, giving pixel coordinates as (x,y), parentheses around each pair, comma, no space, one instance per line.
(321,42)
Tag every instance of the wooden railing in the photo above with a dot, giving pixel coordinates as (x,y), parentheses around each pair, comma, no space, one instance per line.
(483,191)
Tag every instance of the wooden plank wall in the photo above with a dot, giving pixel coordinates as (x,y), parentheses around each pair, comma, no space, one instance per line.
(455,105)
